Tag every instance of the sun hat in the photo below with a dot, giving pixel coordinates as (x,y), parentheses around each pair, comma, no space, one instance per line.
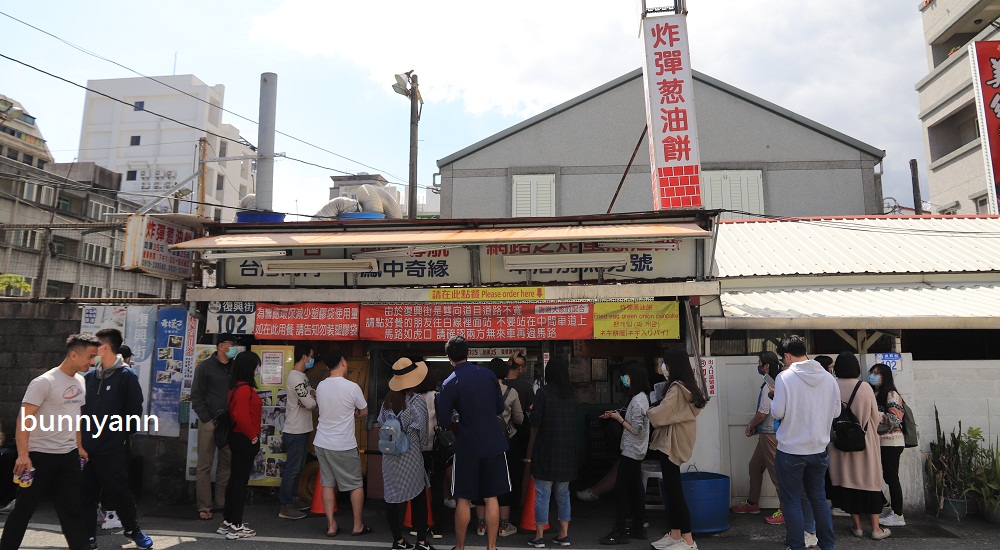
(406,374)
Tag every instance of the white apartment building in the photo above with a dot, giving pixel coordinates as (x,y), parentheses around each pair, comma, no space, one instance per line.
(20,138)
(154,154)
(956,170)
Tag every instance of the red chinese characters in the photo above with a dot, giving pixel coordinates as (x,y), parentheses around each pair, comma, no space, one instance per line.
(477,322)
(306,322)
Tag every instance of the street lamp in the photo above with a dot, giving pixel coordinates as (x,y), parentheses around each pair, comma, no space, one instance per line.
(406,84)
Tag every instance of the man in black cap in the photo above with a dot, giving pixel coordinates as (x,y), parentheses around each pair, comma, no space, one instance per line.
(208,397)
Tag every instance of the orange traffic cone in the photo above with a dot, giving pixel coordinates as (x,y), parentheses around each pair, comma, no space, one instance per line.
(408,518)
(317,502)
(528,508)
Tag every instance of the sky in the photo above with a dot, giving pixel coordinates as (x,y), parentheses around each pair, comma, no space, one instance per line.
(482,68)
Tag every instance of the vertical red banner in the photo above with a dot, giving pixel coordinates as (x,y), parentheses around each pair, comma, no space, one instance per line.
(985,58)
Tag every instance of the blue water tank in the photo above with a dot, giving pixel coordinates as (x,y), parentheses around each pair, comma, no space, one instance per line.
(258,216)
(361,216)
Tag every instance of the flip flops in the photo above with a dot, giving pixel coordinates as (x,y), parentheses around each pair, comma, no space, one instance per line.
(204,515)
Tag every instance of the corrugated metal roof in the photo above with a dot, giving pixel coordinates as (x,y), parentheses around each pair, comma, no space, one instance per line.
(864,244)
(899,306)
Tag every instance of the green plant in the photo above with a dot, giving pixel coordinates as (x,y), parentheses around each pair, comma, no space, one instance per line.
(954,463)
(9,282)
(987,479)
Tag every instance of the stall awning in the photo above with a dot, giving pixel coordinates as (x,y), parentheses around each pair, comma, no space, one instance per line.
(623,233)
(898,306)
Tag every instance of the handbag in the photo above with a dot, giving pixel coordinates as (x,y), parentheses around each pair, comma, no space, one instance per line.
(444,442)
(911,437)
(223,425)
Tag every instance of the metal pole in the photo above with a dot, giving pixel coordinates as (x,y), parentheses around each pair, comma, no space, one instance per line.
(411,200)
(265,140)
(918,204)
(202,155)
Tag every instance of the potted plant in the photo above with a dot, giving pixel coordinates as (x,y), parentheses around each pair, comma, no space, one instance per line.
(987,482)
(952,467)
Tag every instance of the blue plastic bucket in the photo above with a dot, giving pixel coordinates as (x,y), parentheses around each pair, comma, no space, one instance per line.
(707,497)
(258,216)
(362,216)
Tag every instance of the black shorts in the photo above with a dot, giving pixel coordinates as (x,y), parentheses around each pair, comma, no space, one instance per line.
(479,478)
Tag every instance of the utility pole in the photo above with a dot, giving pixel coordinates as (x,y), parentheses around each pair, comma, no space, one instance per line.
(265,141)
(411,200)
(202,155)
(918,204)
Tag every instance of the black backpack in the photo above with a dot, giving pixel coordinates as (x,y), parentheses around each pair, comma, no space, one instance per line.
(847,434)
(223,424)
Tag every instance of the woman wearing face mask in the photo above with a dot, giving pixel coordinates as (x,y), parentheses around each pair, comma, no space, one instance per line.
(763,426)
(630,495)
(890,433)
(674,433)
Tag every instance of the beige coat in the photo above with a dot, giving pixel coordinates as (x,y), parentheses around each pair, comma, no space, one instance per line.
(862,469)
(674,424)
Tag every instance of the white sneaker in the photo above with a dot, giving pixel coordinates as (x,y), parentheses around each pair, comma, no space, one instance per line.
(667,542)
(224,528)
(450,503)
(811,540)
(240,531)
(9,508)
(892,520)
(111,520)
(587,495)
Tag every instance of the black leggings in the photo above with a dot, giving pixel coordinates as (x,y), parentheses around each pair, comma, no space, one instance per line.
(680,516)
(630,495)
(890,474)
(418,507)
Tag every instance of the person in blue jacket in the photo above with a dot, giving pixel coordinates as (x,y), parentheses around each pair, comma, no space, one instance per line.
(113,395)
(480,469)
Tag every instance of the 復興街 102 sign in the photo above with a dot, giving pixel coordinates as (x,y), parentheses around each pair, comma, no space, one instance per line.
(231,318)
(985,58)
(670,116)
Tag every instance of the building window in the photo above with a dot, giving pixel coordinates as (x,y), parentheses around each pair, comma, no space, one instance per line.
(98,211)
(27,159)
(218,215)
(220,183)
(26,238)
(533,195)
(57,246)
(41,164)
(87,291)
(95,253)
(243,191)
(139,106)
(130,175)
(222,147)
(53,289)
(9,291)
(134,140)
(959,129)
(64,204)
(739,191)
(982,204)
(12,153)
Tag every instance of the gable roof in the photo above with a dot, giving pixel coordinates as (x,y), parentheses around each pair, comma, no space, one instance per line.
(637,74)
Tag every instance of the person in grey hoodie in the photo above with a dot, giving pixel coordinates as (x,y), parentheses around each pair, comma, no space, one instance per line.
(806,400)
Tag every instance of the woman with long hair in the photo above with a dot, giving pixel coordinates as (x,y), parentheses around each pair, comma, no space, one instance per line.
(674,434)
(630,495)
(434,464)
(890,435)
(854,476)
(403,475)
(553,449)
(244,406)
(762,425)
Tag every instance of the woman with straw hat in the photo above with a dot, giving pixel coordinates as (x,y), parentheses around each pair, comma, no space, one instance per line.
(403,474)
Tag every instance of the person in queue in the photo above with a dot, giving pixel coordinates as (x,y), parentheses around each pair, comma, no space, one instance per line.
(434,463)
(630,495)
(209,389)
(512,417)
(245,407)
(890,434)
(517,455)
(301,402)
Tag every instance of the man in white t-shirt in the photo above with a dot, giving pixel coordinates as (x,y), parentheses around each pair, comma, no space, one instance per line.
(340,402)
(52,447)
(301,400)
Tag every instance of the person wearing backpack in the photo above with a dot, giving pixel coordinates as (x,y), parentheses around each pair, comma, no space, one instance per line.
(856,475)
(891,439)
(244,406)
(806,400)
(402,437)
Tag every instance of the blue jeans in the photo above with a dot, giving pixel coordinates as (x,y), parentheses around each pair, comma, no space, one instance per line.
(802,480)
(295,449)
(543,489)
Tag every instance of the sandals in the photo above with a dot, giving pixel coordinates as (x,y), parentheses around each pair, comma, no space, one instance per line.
(333,534)
(364,531)
(204,515)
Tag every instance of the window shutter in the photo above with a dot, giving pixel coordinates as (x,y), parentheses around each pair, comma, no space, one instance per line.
(533,195)
(741,190)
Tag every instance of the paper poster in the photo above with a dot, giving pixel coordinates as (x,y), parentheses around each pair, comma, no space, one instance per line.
(140,336)
(95,318)
(168,364)
(276,362)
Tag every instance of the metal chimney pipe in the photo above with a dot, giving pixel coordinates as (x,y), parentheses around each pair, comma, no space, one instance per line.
(265,140)
(918,204)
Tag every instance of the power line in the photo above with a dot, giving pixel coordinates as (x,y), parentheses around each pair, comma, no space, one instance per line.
(98,56)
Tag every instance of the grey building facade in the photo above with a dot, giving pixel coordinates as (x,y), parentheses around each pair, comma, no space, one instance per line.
(757,159)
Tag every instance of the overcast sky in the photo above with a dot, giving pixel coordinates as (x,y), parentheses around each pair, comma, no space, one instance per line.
(482,66)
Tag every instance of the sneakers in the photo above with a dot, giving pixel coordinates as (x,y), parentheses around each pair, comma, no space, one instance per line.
(667,542)
(224,528)
(884,534)
(506,529)
(857,532)
(111,520)
(776,518)
(587,495)
(239,531)
(746,507)
(450,503)
(424,546)
(138,537)
(92,543)
(812,541)
(891,520)
(614,537)
(564,541)
(300,504)
(536,543)
(401,545)
(481,527)
(436,532)
(9,508)
(291,512)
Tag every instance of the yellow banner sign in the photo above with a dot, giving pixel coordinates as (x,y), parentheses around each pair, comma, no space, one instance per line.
(514,294)
(636,321)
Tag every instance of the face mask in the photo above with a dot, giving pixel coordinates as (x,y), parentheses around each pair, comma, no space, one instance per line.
(625,380)
(97,362)
(761,370)
(232,353)
(310,363)
(874,379)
